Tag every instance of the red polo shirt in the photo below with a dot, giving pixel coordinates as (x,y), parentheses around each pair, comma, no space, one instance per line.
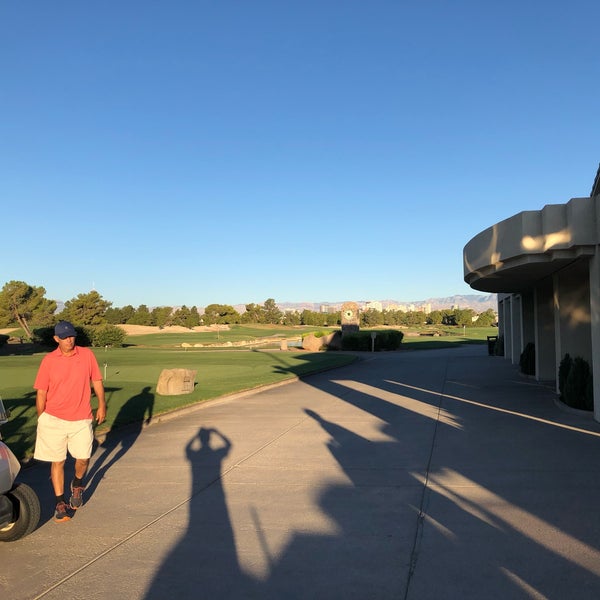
(67,382)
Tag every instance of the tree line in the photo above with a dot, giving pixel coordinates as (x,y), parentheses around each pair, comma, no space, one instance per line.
(26,306)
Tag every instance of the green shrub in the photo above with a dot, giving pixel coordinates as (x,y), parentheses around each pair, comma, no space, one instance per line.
(390,339)
(320,334)
(527,359)
(576,384)
(45,336)
(317,334)
(563,372)
(356,341)
(589,393)
(98,336)
(3,339)
(107,335)
(499,346)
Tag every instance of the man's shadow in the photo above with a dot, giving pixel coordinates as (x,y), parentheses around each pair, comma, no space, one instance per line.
(127,426)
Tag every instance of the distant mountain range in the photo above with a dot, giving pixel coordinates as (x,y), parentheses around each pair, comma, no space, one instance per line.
(479,303)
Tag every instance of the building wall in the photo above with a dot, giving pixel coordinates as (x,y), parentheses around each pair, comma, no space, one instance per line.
(545,267)
(572,289)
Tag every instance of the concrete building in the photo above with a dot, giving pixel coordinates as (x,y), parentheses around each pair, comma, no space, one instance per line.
(545,267)
(374,305)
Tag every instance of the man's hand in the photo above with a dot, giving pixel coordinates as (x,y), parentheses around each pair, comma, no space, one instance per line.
(101,414)
(99,391)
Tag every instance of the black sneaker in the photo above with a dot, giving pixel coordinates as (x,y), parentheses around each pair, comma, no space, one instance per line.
(62,512)
(76,500)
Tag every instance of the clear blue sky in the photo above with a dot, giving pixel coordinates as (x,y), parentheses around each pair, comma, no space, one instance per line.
(194,152)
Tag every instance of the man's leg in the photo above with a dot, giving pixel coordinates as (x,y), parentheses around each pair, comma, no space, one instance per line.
(77,487)
(81,442)
(81,467)
(57,476)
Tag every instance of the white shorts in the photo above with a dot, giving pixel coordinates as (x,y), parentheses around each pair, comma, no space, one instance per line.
(55,436)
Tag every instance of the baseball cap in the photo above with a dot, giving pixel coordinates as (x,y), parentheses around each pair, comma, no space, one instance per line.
(64,329)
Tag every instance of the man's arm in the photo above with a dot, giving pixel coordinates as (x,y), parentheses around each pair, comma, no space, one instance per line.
(99,391)
(40,401)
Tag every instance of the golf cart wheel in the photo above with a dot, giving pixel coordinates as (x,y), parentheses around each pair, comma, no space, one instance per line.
(26,513)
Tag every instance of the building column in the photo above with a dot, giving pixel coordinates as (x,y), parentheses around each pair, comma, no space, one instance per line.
(545,343)
(527,319)
(507,327)
(595,328)
(517,329)
(557,337)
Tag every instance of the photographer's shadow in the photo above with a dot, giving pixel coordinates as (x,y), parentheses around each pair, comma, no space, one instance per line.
(208,540)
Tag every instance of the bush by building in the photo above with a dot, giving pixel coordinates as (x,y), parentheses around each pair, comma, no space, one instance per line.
(527,359)
(575,383)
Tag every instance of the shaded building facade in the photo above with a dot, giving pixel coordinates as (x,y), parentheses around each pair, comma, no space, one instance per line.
(545,267)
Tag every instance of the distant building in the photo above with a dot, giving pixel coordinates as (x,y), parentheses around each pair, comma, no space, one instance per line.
(375,305)
(393,307)
(424,308)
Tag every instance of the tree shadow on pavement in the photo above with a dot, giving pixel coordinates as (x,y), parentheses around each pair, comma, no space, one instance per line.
(447,491)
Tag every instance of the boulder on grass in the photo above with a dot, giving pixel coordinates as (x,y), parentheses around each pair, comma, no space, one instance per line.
(173,382)
(313,343)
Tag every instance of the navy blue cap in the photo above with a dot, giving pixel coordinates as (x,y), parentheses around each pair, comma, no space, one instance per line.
(64,329)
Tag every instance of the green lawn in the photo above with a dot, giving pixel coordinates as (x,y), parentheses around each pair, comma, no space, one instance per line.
(450,337)
(131,374)
(236,333)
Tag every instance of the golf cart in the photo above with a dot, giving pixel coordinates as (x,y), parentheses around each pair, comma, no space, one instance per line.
(19,504)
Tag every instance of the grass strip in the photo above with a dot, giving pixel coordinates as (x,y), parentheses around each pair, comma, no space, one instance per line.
(130,378)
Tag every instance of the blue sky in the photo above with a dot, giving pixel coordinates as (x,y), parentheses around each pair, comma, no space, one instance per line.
(193,152)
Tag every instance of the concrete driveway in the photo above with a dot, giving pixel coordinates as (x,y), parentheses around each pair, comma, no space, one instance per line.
(418,475)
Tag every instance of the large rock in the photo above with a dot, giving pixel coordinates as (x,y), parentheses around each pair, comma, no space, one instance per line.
(312,343)
(172,382)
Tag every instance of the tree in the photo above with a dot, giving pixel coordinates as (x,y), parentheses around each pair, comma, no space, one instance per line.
(126,313)
(311,317)
(271,312)
(486,319)
(186,317)
(253,314)
(24,304)
(464,317)
(161,316)
(371,318)
(291,318)
(435,317)
(220,313)
(193,318)
(141,317)
(86,309)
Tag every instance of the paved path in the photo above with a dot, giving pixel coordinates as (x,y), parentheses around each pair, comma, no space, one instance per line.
(436,474)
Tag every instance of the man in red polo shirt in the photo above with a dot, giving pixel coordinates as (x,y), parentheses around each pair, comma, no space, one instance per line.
(65,413)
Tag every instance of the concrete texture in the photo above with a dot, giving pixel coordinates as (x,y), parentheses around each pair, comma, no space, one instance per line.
(417,475)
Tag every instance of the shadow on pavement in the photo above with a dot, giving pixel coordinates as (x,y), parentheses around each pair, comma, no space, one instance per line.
(494,482)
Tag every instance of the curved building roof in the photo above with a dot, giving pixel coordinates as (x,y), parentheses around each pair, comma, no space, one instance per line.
(514,254)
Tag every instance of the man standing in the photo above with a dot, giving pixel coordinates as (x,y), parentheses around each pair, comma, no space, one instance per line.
(65,413)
